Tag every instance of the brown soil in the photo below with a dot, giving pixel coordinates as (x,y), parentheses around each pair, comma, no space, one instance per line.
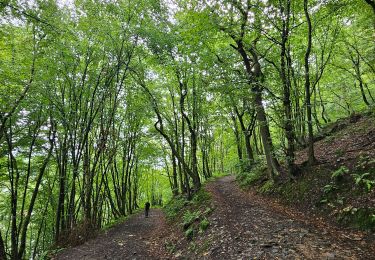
(248,226)
(346,142)
(137,238)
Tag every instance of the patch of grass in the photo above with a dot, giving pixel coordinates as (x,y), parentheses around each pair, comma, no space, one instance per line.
(189,218)
(204,224)
(339,152)
(191,215)
(267,186)
(49,254)
(171,247)
(174,206)
(200,197)
(218,175)
(189,233)
(295,191)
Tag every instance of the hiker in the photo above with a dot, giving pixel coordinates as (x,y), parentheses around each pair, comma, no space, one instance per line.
(147,208)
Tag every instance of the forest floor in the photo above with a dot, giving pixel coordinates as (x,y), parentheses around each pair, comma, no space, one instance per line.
(243,225)
(136,238)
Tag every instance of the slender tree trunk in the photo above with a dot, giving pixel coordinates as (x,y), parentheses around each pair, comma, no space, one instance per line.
(237,137)
(254,73)
(14,178)
(174,176)
(326,120)
(311,156)
(247,132)
(363,94)
(62,164)
(3,255)
(288,123)
(42,170)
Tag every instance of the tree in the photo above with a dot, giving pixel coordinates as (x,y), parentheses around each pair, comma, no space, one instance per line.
(311,156)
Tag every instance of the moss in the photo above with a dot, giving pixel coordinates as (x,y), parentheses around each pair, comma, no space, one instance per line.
(295,191)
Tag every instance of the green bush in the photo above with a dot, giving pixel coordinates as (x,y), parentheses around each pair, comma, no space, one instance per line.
(256,172)
(329,188)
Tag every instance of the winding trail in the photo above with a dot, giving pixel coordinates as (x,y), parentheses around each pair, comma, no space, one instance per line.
(242,226)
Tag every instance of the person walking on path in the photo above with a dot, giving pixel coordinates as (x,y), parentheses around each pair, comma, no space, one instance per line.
(147,209)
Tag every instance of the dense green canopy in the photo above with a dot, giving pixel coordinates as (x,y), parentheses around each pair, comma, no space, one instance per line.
(106,104)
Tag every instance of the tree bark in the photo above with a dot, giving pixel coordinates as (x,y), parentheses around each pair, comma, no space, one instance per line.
(311,156)
(237,136)
(254,74)
(288,123)
(42,170)
(3,255)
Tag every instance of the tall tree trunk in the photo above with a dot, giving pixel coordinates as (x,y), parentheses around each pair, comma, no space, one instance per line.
(311,156)
(3,255)
(14,178)
(237,137)
(62,164)
(265,135)
(174,176)
(254,74)
(288,123)
(247,132)
(42,170)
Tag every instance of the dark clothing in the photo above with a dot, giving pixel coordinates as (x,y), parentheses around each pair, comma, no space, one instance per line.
(147,208)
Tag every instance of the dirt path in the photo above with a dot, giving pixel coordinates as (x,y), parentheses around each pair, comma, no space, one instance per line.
(244,226)
(136,238)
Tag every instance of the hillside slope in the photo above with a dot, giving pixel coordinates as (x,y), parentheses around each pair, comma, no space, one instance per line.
(341,187)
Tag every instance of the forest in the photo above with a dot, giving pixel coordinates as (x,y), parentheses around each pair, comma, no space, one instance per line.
(107,104)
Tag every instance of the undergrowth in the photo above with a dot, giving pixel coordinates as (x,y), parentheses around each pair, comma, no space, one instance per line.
(190,215)
(343,188)
(247,175)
